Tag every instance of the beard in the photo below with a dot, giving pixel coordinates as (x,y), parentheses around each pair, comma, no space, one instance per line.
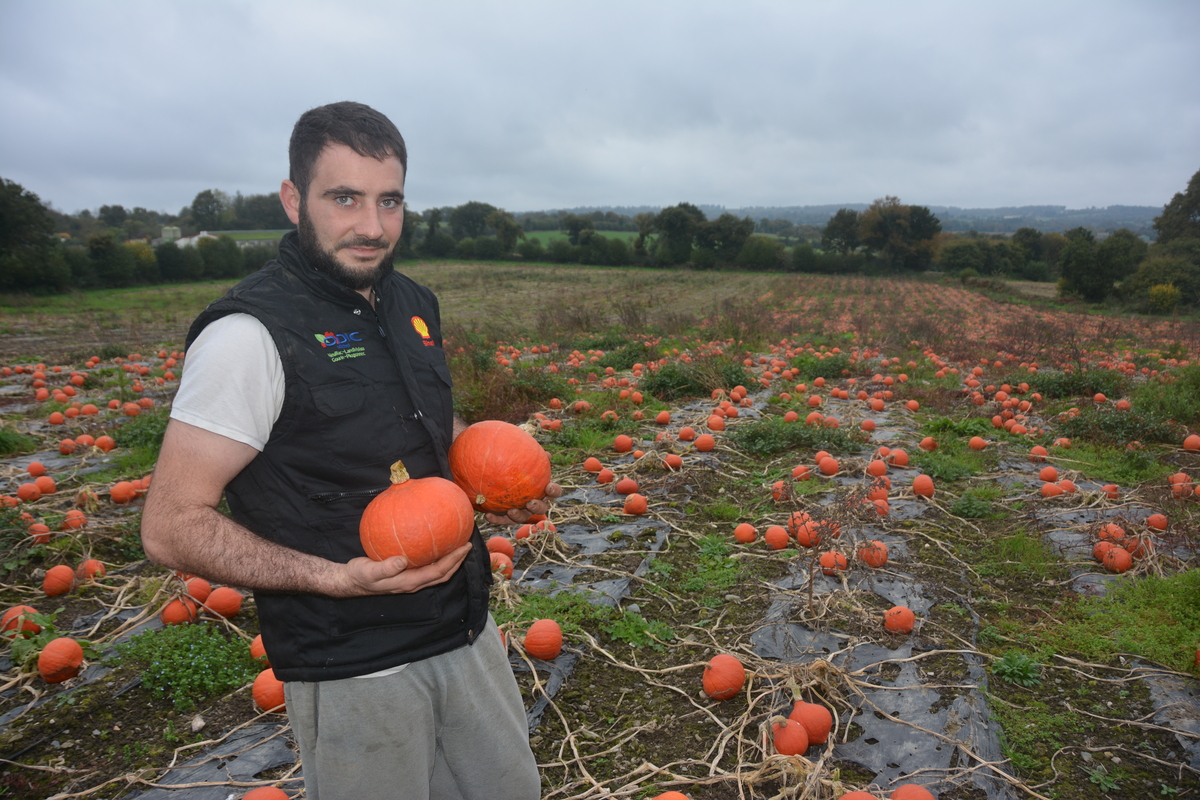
(325,261)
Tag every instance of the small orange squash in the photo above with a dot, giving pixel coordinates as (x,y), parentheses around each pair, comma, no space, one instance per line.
(179,611)
(266,793)
(16,622)
(60,659)
(790,736)
(544,640)
(258,651)
(90,570)
(923,486)
(268,692)
(635,504)
(873,554)
(899,619)
(58,580)
(816,719)
(421,519)
(724,676)
(224,601)
(499,466)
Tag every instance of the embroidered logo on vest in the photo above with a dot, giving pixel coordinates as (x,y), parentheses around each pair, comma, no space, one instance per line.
(420,327)
(343,344)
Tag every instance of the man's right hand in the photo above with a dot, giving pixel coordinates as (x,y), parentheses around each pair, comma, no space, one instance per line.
(364,576)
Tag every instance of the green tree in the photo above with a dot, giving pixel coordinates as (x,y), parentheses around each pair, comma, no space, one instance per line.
(1181,273)
(412,221)
(145,265)
(724,236)
(113,216)
(1078,264)
(433,219)
(761,253)
(1180,218)
(174,264)
(574,224)
(1028,241)
(208,209)
(114,263)
(470,219)
(677,228)
(508,231)
(959,254)
(30,258)
(222,258)
(841,232)
(902,235)
(1118,257)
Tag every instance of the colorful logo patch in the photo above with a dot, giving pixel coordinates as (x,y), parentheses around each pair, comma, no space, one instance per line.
(338,340)
(420,327)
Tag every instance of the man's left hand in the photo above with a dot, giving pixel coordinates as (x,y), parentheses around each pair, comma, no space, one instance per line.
(519,516)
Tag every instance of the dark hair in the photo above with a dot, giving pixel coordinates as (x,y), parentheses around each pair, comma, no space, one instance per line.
(361,128)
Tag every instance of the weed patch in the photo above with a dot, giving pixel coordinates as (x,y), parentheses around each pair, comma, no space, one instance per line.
(771,436)
(187,663)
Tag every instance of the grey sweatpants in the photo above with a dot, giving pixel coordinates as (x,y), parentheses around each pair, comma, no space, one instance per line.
(451,727)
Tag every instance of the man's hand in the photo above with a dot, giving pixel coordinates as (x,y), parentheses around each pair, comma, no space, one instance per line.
(362,576)
(519,516)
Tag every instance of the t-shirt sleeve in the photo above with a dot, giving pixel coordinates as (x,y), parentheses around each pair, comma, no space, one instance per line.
(232,381)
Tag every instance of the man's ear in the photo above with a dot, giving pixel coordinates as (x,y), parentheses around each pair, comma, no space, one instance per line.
(289,195)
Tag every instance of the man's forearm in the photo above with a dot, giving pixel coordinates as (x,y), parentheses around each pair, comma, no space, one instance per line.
(206,542)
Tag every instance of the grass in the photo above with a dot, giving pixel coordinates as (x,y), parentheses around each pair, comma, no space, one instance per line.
(1018,554)
(772,436)
(1176,398)
(1106,425)
(1157,618)
(952,461)
(1119,465)
(697,379)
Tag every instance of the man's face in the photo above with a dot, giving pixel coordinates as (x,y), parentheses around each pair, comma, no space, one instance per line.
(350,219)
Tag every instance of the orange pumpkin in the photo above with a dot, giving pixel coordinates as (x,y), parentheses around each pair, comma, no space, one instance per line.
(122,492)
(421,519)
(635,504)
(544,640)
(776,537)
(501,544)
(816,719)
(224,601)
(268,692)
(832,562)
(790,736)
(626,486)
(873,554)
(258,651)
(90,569)
(58,580)
(923,486)
(724,676)
(60,659)
(899,619)
(179,611)
(499,466)
(745,533)
(502,563)
(911,791)
(15,622)
(266,793)
(672,461)
(198,589)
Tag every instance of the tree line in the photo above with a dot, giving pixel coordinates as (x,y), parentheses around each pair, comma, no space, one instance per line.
(43,250)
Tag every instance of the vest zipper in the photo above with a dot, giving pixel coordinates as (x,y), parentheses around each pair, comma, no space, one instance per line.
(329,497)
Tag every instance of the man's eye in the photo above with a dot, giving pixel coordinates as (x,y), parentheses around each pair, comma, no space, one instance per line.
(344,200)
(389,203)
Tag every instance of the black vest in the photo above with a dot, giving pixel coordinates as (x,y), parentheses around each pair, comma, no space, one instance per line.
(363,388)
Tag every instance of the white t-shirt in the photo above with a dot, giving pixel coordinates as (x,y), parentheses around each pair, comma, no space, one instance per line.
(232,385)
(232,381)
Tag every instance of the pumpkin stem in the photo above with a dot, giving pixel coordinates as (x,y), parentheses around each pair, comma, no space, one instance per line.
(399,473)
(796,696)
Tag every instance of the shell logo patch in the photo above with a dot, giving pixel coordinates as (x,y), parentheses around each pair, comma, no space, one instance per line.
(420,327)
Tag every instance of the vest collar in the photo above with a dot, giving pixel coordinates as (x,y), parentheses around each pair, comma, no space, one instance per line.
(292,257)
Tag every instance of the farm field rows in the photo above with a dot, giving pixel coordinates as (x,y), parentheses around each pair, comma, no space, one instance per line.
(1040,664)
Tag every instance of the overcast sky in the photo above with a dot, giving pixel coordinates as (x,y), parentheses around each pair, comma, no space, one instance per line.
(538,105)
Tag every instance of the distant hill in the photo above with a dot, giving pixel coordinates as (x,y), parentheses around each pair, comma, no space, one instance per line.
(1138,219)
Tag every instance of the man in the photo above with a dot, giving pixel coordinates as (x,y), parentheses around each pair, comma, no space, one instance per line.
(302,386)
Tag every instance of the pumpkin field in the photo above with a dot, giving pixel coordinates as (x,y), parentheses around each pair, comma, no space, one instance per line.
(819,536)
